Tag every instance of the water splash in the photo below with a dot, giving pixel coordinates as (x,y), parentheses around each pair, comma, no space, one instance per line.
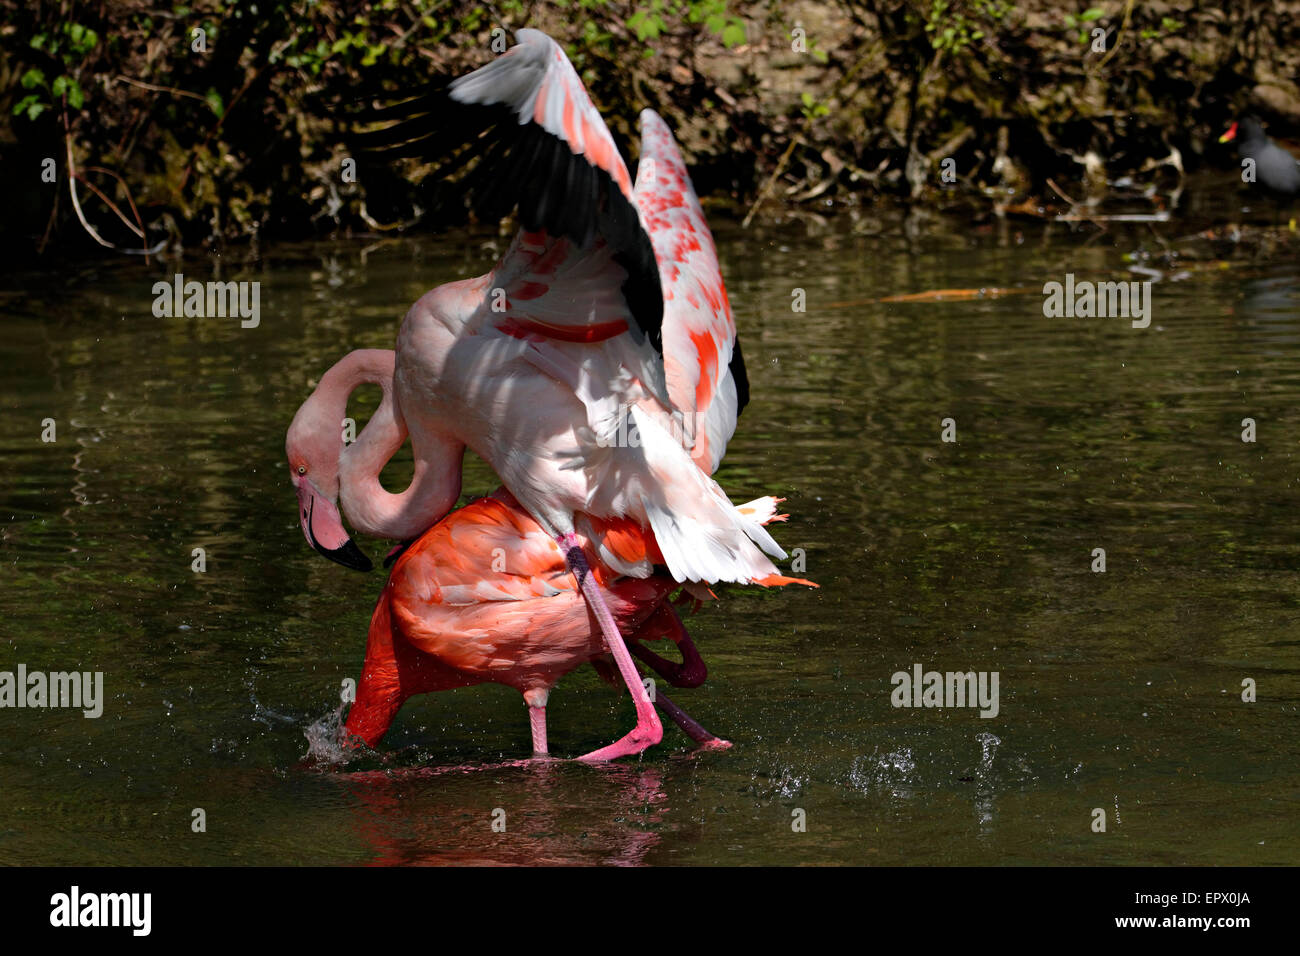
(265,715)
(894,771)
(790,783)
(326,740)
(989,744)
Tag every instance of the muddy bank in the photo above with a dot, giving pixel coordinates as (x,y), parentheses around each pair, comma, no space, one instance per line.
(212,123)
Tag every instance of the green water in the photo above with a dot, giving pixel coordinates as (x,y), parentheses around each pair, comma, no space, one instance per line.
(1118,690)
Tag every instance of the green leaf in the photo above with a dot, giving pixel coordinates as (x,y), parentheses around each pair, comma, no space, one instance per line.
(734,34)
(215,102)
(33,78)
(1095,13)
(647,25)
(76,96)
(25,102)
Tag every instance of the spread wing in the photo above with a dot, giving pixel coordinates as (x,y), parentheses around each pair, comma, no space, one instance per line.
(702,362)
(530,139)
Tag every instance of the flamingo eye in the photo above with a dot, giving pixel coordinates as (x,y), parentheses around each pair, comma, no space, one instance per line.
(302,469)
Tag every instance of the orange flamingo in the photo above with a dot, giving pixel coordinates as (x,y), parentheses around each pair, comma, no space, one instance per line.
(446,619)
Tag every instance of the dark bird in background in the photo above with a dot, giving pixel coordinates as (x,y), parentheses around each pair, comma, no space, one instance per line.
(1275,168)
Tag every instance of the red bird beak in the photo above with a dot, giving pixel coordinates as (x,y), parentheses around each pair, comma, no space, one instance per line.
(1230,135)
(323,528)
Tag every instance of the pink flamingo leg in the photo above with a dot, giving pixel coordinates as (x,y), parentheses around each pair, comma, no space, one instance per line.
(537,720)
(648,731)
(692,729)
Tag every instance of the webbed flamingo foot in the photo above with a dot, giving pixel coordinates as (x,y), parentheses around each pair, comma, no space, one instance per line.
(717,743)
(689,725)
(633,743)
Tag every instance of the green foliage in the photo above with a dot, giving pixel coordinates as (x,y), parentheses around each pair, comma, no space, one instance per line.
(812,107)
(650,21)
(1090,15)
(1167,26)
(816,52)
(69,44)
(215,101)
(245,137)
(954,26)
(713,14)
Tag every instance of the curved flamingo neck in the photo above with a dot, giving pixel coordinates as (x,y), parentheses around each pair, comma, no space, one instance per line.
(371,508)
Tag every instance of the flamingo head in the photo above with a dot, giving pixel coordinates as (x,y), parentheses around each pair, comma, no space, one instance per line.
(313,446)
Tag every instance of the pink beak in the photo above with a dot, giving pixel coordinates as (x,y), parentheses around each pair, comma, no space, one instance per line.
(323,528)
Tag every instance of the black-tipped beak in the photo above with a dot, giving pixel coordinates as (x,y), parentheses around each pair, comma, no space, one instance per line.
(349,555)
(323,529)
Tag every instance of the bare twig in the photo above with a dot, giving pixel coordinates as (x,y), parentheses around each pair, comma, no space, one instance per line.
(110,204)
(161,89)
(1128,11)
(1056,189)
(771,181)
(126,189)
(1121,217)
(74,176)
(72,182)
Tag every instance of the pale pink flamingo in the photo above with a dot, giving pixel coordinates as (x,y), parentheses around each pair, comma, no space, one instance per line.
(325,473)
(596,367)
(483,595)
